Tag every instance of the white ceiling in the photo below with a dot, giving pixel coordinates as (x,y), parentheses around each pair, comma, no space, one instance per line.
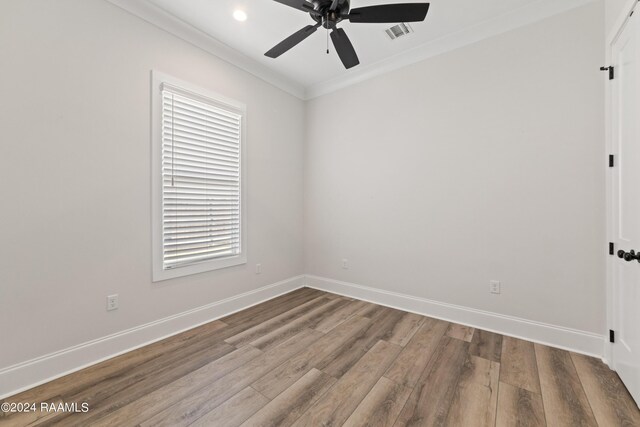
(306,70)
(270,22)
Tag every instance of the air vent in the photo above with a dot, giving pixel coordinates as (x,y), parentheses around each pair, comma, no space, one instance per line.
(398,31)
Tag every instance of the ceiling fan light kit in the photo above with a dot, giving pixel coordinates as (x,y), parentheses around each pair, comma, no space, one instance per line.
(329,13)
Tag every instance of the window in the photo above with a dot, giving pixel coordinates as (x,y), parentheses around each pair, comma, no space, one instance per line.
(197,180)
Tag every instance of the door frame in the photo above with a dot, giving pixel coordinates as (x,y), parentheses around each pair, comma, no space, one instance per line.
(621,21)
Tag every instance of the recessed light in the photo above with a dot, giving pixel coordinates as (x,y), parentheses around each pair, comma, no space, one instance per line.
(240,15)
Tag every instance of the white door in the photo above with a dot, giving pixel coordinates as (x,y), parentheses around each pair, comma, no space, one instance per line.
(626,204)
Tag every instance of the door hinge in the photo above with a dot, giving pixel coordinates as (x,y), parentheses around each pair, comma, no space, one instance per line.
(612,336)
(611,161)
(611,248)
(611,70)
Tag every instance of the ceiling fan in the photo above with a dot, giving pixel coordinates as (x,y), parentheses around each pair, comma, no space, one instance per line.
(328,13)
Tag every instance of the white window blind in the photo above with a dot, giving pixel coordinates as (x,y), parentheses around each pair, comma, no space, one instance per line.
(201,140)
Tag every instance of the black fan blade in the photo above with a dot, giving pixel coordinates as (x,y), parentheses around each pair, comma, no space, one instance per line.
(302,5)
(291,41)
(334,5)
(345,49)
(390,13)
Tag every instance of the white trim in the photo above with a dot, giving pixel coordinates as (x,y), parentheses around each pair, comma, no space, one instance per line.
(610,230)
(556,336)
(23,376)
(165,21)
(26,375)
(520,17)
(620,23)
(158,272)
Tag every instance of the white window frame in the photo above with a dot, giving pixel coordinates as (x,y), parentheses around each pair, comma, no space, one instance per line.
(159,272)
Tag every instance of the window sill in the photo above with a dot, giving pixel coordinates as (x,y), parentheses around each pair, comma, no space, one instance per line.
(201,267)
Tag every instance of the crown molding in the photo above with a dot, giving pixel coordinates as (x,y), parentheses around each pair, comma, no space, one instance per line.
(520,17)
(165,21)
(618,25)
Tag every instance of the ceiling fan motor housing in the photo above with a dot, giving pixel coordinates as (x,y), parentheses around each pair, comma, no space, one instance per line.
(328,13)
(330,18)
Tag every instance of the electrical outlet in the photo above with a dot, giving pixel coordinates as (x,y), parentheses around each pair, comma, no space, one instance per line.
(345,263)
(112,302)
(258,268)
(494,287)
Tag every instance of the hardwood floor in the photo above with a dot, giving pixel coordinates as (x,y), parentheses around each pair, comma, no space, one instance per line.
(309,358)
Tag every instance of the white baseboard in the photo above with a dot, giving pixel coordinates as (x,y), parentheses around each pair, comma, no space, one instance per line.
(555,336)
(23,376)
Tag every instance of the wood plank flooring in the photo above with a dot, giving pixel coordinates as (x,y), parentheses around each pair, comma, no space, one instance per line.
(310,358)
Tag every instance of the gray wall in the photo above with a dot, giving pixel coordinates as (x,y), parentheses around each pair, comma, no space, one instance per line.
(75,163)
(485,163)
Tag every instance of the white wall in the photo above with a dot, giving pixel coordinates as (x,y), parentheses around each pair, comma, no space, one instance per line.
(483,163)
(75,173)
